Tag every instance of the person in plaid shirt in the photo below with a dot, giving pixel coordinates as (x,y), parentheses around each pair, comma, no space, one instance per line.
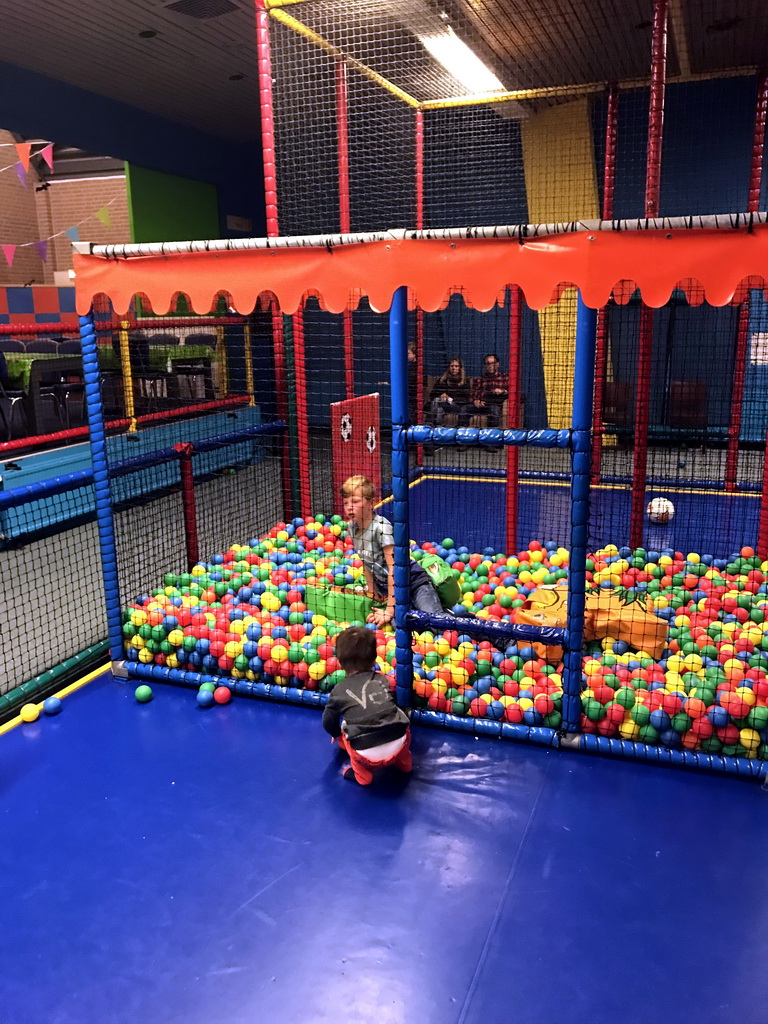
(488,393)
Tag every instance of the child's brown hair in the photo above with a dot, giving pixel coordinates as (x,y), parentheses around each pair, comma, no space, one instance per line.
(356,649)
(359,483)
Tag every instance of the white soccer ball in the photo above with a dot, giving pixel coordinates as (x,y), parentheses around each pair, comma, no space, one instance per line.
(660,510)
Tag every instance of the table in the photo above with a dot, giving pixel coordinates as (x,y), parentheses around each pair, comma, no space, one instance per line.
(27,371)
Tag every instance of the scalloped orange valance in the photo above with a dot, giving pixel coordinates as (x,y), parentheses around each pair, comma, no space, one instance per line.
(716,266)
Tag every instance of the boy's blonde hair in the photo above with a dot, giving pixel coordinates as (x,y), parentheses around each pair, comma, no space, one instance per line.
(358,483)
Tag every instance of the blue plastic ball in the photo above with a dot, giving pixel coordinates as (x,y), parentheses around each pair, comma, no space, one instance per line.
(51,706)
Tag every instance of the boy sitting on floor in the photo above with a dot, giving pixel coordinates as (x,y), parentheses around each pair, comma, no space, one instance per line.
(361,713)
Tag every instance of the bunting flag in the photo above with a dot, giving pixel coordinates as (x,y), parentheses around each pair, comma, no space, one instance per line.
(21,173)
(47,154)
(72,233)
(24,149)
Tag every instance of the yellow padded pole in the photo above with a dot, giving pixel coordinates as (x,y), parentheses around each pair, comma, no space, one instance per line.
(125,365)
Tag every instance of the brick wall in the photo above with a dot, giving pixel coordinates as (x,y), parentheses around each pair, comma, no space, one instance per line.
(27,216)
(18,219)
(69,202)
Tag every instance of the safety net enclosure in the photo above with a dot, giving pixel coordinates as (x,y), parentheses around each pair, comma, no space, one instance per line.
(620,611)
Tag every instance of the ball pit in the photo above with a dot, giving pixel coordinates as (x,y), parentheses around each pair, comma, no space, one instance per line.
(243,616)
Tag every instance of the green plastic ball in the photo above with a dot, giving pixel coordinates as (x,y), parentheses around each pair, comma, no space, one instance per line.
(143,694)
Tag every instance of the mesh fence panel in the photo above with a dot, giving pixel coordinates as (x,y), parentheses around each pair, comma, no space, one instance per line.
(51,602)
(535,157)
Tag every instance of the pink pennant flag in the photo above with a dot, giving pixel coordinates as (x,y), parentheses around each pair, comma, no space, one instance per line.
(42,249)
(47,155)
(103,215)
(21,173)
(8,252)
(24,149)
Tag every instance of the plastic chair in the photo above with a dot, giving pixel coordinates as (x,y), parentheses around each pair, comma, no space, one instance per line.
(163,339)
(201,339)
(42,345)
(11,345)
(70,348)
(9,395)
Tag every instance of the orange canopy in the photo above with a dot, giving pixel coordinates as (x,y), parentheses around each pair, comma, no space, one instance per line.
(716,266)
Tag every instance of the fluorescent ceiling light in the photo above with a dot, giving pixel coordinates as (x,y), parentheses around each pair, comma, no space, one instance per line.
(457,58)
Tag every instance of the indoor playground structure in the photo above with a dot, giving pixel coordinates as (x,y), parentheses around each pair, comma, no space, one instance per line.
(602,519)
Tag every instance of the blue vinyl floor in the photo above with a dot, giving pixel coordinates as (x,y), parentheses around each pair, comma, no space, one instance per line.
(162,864)
(472,511)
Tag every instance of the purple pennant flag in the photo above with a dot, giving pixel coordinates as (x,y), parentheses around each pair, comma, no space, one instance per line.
(21,173)
(42,249)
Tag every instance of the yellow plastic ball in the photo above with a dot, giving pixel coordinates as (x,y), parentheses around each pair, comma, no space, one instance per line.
(138,617)
(317,670)
(747,695)
(29,712)
(270,602)
(145,656)
(199,570)
(234,647)
(629,730)
(279,652)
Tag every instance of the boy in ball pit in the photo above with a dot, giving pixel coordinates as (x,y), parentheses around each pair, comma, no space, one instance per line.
(361,714)
(374,543)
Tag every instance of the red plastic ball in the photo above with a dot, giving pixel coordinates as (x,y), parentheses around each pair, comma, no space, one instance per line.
(222,695)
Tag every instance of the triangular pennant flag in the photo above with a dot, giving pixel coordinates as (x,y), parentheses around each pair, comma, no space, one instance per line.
(8,251)
(42,249)
(21,173)
(73,233)
(47,155)
(24,149)
(103,215)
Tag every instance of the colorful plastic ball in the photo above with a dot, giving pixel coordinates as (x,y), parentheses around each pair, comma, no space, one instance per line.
(143,694)
(205,698)
(29,712)
(222,695)
(52,706)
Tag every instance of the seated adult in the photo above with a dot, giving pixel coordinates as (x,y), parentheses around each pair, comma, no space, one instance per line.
(450,392)
(488,393)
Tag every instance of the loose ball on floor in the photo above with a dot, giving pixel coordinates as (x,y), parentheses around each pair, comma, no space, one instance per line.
(29,712)
(143,694)
(52,706)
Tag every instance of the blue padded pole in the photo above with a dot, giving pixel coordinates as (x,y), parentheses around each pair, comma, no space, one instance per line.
(101,484)
(398,362)
(581,421)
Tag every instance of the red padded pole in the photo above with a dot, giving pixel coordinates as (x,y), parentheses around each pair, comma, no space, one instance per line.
(652,193)
(419,139)
(742,329)
(513,415)
(345,221)
(601,334)
(185,451)
(267,110)
(762,539)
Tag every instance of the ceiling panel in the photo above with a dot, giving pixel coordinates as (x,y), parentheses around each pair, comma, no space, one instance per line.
(184,72)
